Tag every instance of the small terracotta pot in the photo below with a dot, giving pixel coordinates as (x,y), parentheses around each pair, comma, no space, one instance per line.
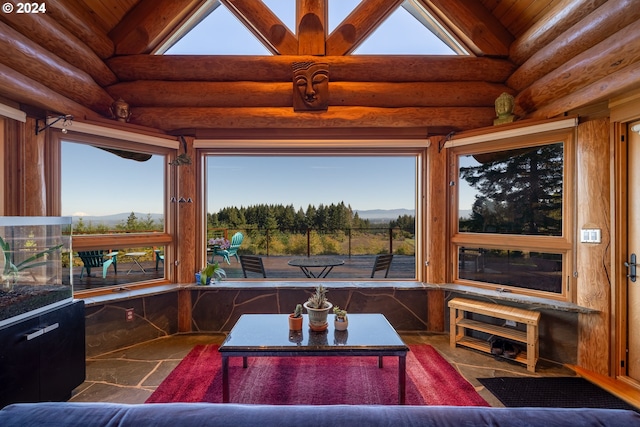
(295,323)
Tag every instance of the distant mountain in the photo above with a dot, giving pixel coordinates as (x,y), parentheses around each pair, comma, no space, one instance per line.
(115,218)
(384,214)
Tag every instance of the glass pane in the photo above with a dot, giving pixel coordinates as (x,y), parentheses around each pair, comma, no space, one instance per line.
(512,192)
(523,269)
(117,266)
(350,207)
(112,191)
(109,191)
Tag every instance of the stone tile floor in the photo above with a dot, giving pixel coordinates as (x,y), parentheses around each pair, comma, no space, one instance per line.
(132,374)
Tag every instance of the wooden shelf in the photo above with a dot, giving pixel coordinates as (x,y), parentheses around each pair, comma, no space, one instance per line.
(459,324)
(484,346)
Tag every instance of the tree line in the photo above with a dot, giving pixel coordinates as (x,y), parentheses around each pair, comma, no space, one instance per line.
(287,218)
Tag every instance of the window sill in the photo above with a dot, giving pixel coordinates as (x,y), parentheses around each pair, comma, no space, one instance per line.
(512,297)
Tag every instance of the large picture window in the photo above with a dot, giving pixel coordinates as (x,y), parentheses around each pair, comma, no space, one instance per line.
(512,228)
(348,208)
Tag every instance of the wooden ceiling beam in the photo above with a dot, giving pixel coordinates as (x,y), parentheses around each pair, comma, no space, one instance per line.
(50,35)
(312,19)
(458,118)
(145,93)
(149,23)
(594,28)
(590,66)
(78,20)
(616,84)
(474,24)
(391,68)
(265,25)
(19,52)
(16,86)
(360,23)
(563,16)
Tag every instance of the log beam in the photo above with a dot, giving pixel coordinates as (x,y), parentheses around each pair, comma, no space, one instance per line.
(78,20)
(474,25)
(148,23)
(360,23)
(43,30)
(563,16)
(336,117)
(312,19)
(19,53)
(146,93)
(265,25)
(590,66)
(593,29)
(616,84)
(374,68)
(17,87)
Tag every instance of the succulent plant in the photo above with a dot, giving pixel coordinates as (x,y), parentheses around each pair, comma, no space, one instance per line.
(319,298)
(341,314)
(298,311)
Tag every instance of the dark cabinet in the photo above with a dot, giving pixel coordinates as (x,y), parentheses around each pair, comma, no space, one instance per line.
(42,358)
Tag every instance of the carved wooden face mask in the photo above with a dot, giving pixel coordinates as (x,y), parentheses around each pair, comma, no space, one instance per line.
(310,86)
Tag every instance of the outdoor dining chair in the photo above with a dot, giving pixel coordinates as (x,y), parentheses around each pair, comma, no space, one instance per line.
(253,264)
(382,262)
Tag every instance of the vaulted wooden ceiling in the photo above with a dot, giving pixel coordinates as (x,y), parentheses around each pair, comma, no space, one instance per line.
(554,56)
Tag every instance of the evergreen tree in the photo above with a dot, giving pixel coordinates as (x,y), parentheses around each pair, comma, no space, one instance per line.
(519,192)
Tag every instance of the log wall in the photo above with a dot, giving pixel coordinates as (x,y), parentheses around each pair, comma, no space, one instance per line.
(594,260)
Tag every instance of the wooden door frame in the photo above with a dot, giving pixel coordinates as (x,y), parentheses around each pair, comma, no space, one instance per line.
(623,111)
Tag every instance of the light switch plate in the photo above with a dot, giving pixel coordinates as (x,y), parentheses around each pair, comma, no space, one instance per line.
(590,235)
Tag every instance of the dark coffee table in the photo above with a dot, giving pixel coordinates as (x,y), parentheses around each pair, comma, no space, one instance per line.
(261,335)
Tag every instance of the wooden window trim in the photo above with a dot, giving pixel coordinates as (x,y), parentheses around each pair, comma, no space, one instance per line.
(553,244)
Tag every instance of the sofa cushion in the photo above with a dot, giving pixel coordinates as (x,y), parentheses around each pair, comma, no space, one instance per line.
(63,414)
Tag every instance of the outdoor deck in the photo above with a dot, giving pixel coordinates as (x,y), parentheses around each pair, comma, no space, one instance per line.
(354,268)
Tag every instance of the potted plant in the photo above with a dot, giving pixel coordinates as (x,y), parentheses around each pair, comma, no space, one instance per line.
(295,319)
(340,322)
(211,271)
(318,309)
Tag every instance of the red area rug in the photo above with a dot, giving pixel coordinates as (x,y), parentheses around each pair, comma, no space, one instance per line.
(431,380)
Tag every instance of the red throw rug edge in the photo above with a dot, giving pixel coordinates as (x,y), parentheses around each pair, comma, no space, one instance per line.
(431,380)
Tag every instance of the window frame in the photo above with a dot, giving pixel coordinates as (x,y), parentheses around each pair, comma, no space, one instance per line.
(302,147)
(563,244)
(99,241)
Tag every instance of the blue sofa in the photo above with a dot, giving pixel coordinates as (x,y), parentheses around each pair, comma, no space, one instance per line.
(63,414)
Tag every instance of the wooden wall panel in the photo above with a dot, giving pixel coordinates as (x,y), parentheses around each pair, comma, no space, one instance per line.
(436,233)
(594,260)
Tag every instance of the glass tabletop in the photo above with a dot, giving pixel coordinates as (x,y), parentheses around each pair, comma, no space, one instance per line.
(315,262)
(270,332)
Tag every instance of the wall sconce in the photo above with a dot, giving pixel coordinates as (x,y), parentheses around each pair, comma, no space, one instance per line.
(636,128)
(55,119)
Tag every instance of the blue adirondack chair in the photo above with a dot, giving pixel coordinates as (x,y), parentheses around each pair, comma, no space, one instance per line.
(98,259)
(236,241)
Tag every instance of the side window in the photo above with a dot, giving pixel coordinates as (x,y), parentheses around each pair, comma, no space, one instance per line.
(513,225)
(113,194)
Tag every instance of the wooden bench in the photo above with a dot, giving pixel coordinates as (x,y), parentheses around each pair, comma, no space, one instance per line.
(459,323)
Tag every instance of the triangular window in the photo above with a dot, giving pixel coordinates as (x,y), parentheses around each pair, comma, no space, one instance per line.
(409,30)
(218,33)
